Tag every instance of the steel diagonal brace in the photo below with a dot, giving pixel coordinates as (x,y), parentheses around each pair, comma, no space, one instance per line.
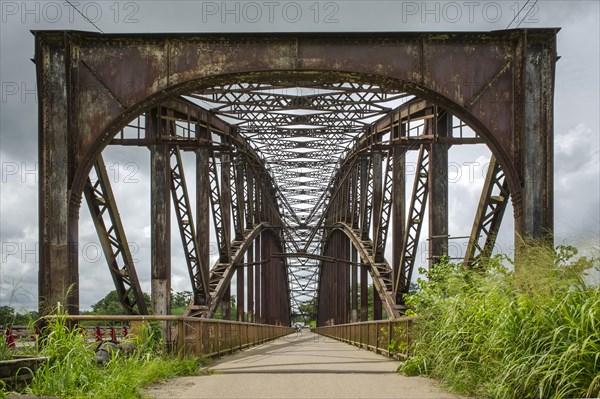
(272,205)
(106,218)
(183,210)
(319,224)
(410,243)
(367,203)
(380,236)
(236,209)
(215,201)
(492,204)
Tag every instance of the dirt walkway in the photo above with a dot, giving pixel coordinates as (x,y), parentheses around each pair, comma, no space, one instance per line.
(305,366)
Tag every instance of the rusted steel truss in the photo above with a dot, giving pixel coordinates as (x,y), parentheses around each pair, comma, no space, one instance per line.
(106,218)
(414,223)
(293,156)
(185,221)
(493,202)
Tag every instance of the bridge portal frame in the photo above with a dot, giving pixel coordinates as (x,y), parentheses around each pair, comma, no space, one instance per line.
(91,85)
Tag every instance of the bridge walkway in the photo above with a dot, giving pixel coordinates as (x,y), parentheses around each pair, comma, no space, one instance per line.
(304,366)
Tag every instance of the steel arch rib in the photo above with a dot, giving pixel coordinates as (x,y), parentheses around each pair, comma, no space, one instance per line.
(380,271)
(222,273)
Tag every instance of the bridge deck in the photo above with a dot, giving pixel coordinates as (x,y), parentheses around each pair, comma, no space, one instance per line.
(301,366)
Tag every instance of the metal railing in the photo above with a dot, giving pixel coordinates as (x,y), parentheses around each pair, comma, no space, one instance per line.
(186,335)
(393,338)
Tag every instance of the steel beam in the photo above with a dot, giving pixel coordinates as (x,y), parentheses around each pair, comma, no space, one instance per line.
(366,181)
(107,220)
(354,285)
(364,294)
(185,221)
(440,126)
(203,202)
(221,231)
(398,200)
(58,218)
(492,204)
(160,216)
(410,243)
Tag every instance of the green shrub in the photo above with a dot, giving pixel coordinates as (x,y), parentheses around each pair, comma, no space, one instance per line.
(72,371)
(531,333)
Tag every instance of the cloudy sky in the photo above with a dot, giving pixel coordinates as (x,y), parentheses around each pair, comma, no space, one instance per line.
(577,140)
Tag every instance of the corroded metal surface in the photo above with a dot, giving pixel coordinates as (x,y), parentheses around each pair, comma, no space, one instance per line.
(309,131)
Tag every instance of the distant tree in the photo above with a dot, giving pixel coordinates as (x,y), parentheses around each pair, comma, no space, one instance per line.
(181,299)
(110,304)
(307,312)
(7,315)
(232,310)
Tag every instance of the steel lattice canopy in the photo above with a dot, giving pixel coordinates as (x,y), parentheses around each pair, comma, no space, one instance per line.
(302,131)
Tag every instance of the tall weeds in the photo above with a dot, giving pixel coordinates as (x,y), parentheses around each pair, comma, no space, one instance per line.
(72,371)
(533,333)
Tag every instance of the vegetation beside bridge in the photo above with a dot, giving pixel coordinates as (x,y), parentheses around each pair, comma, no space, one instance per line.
(498,333)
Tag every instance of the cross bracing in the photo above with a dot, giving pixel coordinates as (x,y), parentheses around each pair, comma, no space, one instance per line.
(300,143)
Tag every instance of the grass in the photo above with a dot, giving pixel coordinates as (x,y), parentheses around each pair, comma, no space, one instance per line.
(72,371)
(497,333)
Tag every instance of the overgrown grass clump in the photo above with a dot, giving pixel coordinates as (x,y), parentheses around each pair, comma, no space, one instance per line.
(72,370)
(498,333)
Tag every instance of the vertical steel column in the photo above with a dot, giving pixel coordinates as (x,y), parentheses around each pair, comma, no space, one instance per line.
(258,257)
(355,197)
(250,283)
(345,284)
(377,305)
(226,304)
(250,252)
(354,273)
(240,293)
(534,212)
(160,199)
(276,288)
(239,227)
(226,214)
(264,280)
(377,203)
(325,304)
(58,231)
(438,187)
(203,199)
(257,280)
(333,248)
(398,198)
(364,292)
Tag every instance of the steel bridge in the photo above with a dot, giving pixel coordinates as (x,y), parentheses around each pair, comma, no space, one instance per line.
(300,143)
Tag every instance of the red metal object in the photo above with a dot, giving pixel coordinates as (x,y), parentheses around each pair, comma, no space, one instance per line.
(10,337)
(99,334)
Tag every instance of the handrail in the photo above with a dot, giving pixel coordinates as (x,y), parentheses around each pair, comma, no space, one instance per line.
(393,338)
(191,335)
